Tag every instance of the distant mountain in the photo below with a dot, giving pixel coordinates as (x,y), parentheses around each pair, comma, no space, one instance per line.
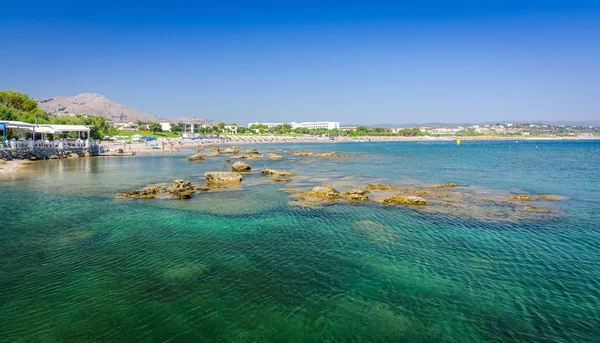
(93,105)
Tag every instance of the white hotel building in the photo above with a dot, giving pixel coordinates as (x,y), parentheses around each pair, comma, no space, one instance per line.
(329,125)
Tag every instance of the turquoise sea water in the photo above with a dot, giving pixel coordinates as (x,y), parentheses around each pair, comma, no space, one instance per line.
(244,265)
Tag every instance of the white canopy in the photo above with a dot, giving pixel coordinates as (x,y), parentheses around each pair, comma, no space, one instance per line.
(47,129)
(70,128)
(18,125)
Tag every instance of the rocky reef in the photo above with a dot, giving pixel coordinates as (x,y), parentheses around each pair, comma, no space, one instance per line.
(181,189)
(275,172)
(222,177)
(520,197)
(356,195)
(241,167)
(403,200)
(197,157)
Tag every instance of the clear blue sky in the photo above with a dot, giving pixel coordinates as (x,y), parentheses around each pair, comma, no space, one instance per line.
(362,62)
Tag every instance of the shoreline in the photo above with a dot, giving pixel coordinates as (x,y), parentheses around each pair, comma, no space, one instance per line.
(10,168)
(189,144)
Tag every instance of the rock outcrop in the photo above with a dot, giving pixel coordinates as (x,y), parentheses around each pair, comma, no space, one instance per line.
(232,150)
(329,154)
(520,197)
(274,172)
(355,195)
(550,197)
(197,157)
(241,167)
(304,153)
(222,177)
(400,199)
(183,189)
(380,187)
(73,156)
(324,192)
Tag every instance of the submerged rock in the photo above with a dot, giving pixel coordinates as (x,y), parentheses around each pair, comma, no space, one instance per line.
(329,154)
(537,209)
(280,180)
(241,167)
(520,197)
(445,185)
(267,171)
(232,150)
(250,151)
(304,153)
(53,157)
(223,177)
(197,157)
(373,231)
(550,197)
(185,272)
(355,195)
(379,187)
(274,156)
(400,199)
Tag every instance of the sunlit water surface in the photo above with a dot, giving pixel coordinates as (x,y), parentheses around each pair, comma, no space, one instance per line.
(243,265)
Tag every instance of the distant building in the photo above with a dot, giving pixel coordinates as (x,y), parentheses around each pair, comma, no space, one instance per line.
(347,128)
(165,126)
(329,125)
(269,125)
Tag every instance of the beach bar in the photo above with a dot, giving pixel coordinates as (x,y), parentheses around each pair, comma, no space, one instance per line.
(25,135)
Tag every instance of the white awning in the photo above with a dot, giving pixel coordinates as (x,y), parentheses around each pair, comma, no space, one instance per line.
(18,125)
(47,129)
(70,128)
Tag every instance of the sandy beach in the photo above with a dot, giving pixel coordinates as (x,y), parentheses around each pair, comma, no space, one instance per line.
(193,144)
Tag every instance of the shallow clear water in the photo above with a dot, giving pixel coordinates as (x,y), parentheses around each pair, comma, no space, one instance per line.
(244,265)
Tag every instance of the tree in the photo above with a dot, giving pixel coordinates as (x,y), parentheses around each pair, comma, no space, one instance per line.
(7,113)
(18,101)
(112,131)
(175,128)
(362,130)
(155,127)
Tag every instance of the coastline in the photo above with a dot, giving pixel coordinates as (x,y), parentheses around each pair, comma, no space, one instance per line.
(189,144)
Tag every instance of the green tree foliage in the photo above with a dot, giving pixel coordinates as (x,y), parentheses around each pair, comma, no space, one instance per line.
(175,128)
(17,101)
(362,130)
(410,132)
(7,113)
(154,127)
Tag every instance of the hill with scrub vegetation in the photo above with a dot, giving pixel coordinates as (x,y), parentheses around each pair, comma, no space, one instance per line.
(93,105)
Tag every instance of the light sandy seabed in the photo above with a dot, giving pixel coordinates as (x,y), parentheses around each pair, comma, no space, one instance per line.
(8,168)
